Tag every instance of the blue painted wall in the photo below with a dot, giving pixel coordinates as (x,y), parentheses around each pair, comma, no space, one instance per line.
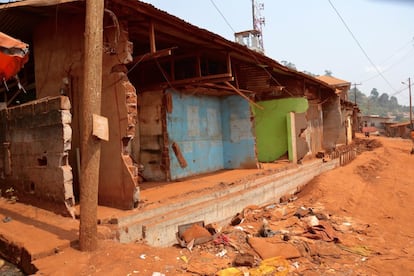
(213,133)
(238,137)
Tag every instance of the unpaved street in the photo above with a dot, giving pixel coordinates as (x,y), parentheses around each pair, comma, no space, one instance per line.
(364,226)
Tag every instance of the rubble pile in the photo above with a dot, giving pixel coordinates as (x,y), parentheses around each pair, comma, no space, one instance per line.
(277,239)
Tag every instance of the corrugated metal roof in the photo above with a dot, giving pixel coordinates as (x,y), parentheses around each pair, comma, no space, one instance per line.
(13,23)
(400,124)
(333,81)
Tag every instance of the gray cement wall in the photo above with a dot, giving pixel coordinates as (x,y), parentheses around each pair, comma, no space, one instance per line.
(35,144)
(332,123)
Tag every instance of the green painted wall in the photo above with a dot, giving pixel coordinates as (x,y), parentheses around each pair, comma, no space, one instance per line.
(271,126)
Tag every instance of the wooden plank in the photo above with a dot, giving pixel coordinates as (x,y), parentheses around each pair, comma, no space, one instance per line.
(153,47)
(157,54)
(244,96)
(179,155)
(168,102)
(211,78)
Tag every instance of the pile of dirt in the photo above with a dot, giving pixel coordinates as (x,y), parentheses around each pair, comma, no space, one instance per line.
(364,144)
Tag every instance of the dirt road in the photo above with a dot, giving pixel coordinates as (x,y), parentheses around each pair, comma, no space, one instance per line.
(365,209)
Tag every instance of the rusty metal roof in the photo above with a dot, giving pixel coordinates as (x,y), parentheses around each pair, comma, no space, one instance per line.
(20,15)
(406,124)
(333,81)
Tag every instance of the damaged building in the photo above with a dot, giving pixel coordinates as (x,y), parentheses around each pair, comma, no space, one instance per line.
(180,102)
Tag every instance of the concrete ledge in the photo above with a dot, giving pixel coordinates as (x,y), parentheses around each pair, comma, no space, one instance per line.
(158,227)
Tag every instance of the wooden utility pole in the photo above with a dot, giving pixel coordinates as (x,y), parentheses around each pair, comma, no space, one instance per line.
(355,92)
(90,104)
(411,106)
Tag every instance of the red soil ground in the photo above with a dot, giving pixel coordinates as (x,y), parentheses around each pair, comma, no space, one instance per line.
(366,204)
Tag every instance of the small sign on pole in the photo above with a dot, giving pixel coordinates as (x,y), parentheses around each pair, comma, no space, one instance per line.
(100,127)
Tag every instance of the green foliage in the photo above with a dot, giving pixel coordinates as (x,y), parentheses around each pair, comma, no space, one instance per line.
(378,104)
(328,73)
(288,64)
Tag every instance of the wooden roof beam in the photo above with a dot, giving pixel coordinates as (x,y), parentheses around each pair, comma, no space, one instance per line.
(154,55)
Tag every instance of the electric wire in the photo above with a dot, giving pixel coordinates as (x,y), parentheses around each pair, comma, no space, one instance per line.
(360,46)
(249,51)
(391,66)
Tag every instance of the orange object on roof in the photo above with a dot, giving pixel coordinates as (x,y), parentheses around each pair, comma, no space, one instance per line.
(13,55)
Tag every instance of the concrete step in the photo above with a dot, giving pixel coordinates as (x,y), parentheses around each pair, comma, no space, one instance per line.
(223,189)
(158,226)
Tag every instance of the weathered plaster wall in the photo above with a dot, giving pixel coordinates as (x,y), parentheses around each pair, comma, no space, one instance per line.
(297,144)
(271,126)
(314,133)
(212,133)
(58,48)
(34,153)
(58,58)
(342,134)
(195,124)
(118,177)
(238,134)
(349,132)
(332,123)
(58,54)
(149,149)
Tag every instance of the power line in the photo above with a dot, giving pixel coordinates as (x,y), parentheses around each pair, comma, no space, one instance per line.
(249,51)
(392,65)
(360,46)
(222,15)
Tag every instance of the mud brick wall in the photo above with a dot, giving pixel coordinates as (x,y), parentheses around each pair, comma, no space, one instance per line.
(35,153)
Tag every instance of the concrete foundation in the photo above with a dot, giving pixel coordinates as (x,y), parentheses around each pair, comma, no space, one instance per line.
(158,226)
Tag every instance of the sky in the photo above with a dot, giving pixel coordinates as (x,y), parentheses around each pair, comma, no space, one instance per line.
(311,35)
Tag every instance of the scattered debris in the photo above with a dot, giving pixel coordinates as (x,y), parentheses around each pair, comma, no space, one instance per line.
(193,234)
(222,253)
(244,259)
(7,219)
(322,231)
(273,247)
(184,259)
(359,250)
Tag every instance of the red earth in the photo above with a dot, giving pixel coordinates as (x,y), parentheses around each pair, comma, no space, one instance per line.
(354,220)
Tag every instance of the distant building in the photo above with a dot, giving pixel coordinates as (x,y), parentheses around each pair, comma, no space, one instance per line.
(377,121)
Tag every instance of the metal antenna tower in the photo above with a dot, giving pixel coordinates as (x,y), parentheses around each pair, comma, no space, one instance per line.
(258,20)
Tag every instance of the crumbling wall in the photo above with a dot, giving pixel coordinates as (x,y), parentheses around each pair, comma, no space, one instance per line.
(58,49)
(332,123)
(35,145)
(314,133)
(149,149)
(58,58)
(297,144)
(118,175)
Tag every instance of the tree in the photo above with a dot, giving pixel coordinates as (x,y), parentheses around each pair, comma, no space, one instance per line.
(374,93)
(360,97)
(288,64)
(328,73)
(393,102)
(383,100)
